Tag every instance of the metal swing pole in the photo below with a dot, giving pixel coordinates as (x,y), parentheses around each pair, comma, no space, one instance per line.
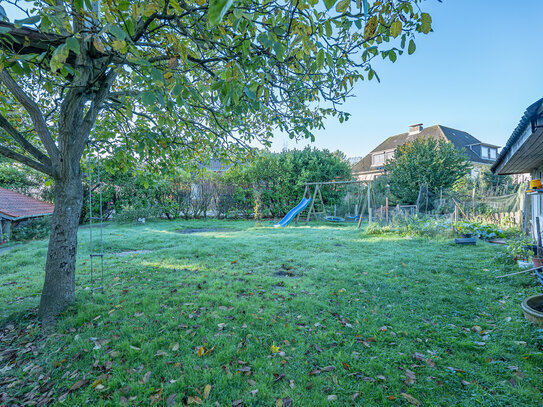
(100,219)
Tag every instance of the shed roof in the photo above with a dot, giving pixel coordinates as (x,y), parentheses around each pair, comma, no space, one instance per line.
(15,206)
(515,146)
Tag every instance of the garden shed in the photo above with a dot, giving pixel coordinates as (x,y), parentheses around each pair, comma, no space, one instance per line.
(16,207)
(523,154)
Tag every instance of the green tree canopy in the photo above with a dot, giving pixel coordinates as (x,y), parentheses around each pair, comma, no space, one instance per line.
(176,80)
(433,163)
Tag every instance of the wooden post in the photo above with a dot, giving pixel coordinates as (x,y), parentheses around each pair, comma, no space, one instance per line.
(386,209)
(538,228)
(1,231)
(369,203)
(8,230)
(312,204)
(473,202)
(305,192)
(322,202)
(361,214)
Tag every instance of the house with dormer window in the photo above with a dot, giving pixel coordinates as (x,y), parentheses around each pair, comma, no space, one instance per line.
(479,153)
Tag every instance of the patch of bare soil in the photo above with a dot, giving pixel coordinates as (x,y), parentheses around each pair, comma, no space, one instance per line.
(133,252)
(203,230)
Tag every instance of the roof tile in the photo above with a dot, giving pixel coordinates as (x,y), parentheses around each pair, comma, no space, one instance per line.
(14,205)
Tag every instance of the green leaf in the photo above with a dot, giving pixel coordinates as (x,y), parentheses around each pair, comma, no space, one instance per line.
(426,23)
(370,28)
(216,11)
(148,98)
(29,20)
(329,4)
(73,45)
(59,57)
(4,30)
(392,55)
(412,47)
(78,5)
(342,6)
(320,59)
(396,28)
(328,28)
(117,32)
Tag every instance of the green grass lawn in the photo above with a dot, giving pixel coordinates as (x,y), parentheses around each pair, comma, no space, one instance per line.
(259,316)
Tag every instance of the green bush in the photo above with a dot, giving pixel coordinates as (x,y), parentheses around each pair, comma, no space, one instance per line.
(280,180)
(34,228)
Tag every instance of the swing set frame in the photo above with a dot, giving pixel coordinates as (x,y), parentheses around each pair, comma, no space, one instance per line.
(317,195)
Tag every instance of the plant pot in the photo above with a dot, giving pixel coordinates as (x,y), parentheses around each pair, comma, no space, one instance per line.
(538,261)
(533,309)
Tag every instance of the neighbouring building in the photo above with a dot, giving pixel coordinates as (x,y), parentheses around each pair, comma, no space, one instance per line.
(523,154)
(480,154)
(16,208)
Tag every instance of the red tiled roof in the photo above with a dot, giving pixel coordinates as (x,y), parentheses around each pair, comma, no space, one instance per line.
(18,206)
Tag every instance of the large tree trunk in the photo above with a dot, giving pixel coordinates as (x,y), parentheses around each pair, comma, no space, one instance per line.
(59,287)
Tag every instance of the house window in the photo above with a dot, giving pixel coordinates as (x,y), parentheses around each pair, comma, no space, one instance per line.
(390,155)
(493,153)
(484,152)
(378,159)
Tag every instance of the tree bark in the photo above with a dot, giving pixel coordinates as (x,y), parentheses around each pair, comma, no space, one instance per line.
(59,286)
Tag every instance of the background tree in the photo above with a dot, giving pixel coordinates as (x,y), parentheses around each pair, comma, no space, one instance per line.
(279,178)
(433,163)
(176,80)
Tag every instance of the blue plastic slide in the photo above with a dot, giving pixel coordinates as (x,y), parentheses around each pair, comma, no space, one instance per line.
(293,212)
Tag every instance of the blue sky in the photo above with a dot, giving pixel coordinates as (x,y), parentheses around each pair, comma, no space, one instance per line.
(477,72)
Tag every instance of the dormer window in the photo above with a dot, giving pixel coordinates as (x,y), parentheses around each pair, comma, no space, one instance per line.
(488,153)
(377,159)
(493,153)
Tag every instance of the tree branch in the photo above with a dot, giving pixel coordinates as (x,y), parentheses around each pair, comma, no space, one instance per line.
(34,111)
(6,152)
(90,118)
(23,142)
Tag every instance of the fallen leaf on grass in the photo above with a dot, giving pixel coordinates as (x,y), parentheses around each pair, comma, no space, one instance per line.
(410,399)
(355,396)
(327,368)
(237,403)
(419,356)
(287,402)
(78,385)
(175,347)
(332,397)
(194,400)
(278,376)
(346,366)
(207,390)
(410,377)
(171,400)
(146,377)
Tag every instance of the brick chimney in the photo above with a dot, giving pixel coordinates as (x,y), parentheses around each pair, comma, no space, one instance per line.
(415,129)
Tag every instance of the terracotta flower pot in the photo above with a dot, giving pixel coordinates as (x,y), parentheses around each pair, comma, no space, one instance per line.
(533,309)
